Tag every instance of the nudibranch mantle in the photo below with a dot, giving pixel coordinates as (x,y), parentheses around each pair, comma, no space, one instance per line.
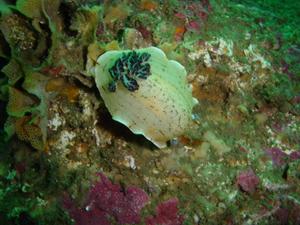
(161,102)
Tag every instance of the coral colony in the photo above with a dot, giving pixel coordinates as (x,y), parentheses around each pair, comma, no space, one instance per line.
(127,68)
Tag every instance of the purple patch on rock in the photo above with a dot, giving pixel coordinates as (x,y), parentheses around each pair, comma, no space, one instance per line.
(180,16)
(285,68)
(193,25)
(295,155)
(277,127)
(296,99)
(282,216)
(278,157)
(247,181)
(107,200)
(166,214)
(87,216)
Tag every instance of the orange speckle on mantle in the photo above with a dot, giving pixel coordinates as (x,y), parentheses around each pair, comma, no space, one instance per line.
(71,92)
(190,142)
(179,31)
(53,71)
(114,13)
(55,84)
(82,148)
(148,5)
(60,86)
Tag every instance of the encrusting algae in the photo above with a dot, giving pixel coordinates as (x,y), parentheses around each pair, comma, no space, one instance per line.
(99,121)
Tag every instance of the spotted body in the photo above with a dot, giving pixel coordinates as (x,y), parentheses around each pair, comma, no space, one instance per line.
(145,91)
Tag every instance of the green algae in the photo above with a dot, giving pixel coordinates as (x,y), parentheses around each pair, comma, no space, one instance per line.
(241,102)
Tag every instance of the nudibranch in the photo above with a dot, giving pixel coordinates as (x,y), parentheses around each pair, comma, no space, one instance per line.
(146,92)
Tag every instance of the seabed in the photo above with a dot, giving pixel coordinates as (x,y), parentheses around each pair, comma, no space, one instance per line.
(64,160)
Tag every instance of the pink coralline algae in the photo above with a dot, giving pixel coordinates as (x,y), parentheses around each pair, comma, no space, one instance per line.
(295,155)
(180,16)
(282,216)
(278,157)
(200,10)
(296,100)
(285,68)
(108,201)
(193,25)
(166,214)
(288,215)
(146,33)
(194,15)
(247,181)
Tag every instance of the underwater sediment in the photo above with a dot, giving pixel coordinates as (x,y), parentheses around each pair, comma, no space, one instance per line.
(149,112)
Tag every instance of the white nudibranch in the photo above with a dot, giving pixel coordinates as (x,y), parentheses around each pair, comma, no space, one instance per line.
(146,92)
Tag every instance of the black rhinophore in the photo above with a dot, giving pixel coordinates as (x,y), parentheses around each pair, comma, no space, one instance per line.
(128,68)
